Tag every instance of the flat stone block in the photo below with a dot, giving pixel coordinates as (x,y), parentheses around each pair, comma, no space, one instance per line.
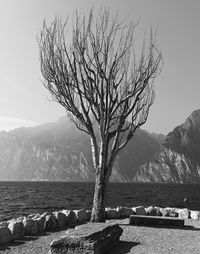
(91,238)
(139,220)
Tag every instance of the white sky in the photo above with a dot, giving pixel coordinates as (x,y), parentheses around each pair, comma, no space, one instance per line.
(22,96)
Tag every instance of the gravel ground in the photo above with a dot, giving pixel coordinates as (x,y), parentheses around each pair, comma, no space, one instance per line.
(151,240)
(137,240)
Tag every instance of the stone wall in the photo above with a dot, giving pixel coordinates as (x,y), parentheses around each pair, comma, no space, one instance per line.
(34,224)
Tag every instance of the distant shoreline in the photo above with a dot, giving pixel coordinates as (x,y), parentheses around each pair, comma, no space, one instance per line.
(112,182)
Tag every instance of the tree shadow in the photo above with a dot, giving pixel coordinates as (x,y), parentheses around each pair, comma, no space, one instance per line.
(186,227)
(8,245)
(123,247)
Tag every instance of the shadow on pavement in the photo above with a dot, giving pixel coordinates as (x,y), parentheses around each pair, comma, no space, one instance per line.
(8,245)
(123,247)
(185,227)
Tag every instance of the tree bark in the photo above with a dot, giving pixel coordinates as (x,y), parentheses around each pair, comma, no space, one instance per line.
(98,210)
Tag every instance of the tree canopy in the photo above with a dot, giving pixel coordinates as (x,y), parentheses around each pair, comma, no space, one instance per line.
(98,77)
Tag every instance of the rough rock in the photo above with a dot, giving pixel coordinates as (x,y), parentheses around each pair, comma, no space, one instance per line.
(50,222)
(4,223)
(168,212)
(17,229)
(89,238)
(81,215)
(89,213)
(184,213)
(195,215)
(139,210)
(40,219)
(31,226)
(125,212)
(153,211)
(112,213)
(61,219)
(71,217)
(33,215)
(5,235)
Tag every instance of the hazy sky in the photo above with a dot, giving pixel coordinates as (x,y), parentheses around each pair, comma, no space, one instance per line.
(24,101)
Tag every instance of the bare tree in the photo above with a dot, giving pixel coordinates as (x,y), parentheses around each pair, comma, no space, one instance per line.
(95,75)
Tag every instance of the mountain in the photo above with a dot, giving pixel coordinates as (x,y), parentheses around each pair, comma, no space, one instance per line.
(178,160)
(60,152)
(160,138)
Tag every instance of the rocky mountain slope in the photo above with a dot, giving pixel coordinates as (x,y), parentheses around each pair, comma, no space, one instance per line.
(178,160)
(60,152)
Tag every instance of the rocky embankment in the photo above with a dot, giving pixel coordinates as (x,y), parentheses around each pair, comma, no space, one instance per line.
(35,224)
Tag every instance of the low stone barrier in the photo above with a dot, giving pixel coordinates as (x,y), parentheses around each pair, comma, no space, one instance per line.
(34,224)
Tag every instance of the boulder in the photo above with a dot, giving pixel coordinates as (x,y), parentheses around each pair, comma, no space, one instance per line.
(112,213)
(153,211)
(184,213)
(17,229)
(168,212)
(89,213)
(37,215)
(81,215)
(33,215)
(61,219)
(4,223)
(125,212)
(139,210)
(5,235)
(71,217)
(88,238)
(40,219)
(30,225)
(195,215)
(50,222)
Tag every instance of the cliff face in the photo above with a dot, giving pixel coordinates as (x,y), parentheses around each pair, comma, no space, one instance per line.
(59,152)
(178,160)
(27,161)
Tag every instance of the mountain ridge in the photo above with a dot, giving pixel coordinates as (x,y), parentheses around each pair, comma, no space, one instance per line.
(58,151)
(178,160)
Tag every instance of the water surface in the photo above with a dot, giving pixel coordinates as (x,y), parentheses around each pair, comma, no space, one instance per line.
(23,198)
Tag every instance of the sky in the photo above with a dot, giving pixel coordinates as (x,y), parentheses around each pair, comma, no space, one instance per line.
(25,102)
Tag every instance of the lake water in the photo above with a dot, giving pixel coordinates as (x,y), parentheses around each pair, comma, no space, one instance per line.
(23,198)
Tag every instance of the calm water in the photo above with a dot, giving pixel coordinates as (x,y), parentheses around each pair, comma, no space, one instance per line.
(22,198)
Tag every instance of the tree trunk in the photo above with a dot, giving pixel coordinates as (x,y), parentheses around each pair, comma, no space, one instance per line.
(98,210)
